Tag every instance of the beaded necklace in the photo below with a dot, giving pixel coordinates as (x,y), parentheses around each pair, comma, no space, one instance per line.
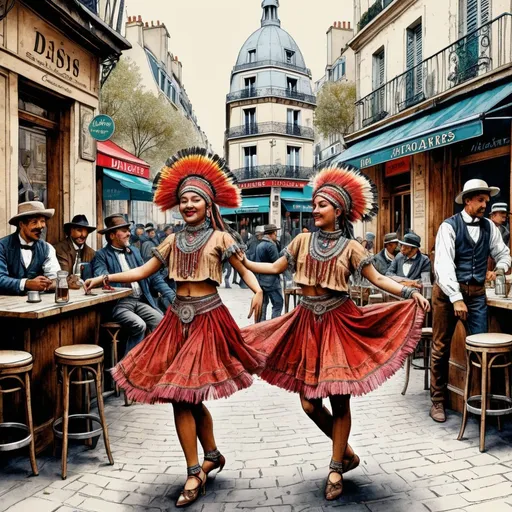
(190,243)
(324,249)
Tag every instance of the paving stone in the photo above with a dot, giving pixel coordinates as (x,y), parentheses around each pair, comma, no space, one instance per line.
(499,490)
(38,504)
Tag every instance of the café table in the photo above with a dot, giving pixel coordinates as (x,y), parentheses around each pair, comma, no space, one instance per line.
(40,328)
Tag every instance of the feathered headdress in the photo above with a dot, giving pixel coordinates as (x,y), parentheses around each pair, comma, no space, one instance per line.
(348,189)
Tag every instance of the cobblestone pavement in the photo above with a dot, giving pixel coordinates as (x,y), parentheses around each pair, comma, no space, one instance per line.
(277,459)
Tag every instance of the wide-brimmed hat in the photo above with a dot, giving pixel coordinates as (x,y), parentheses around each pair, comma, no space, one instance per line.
(113,222)
(31,209)
(412,240)
(270,228)
(389,238)
(80,221)
(369,236)
(499,207)
(476,185)
(149,228)
(259,230)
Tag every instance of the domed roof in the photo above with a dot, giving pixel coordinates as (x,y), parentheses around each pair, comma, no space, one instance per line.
(271,42)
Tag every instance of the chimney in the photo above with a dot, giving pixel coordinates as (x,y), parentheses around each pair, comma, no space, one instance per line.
(146,24)
(157,23)
(344,25)
(152,24)
(139,19)
(348,25)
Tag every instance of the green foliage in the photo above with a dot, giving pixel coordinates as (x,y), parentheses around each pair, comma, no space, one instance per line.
(371,13)
(335,109)
(146,125)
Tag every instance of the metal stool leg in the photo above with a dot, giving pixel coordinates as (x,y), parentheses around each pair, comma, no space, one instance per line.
(115,358)
(483,415)
(408,364)
(65,420)
(101,410)
(30,424)
(466,396)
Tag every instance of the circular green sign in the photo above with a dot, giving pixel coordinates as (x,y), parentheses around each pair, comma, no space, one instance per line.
(102,127)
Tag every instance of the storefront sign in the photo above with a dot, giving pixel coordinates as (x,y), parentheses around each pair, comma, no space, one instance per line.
(399,166)
(432,141)
(102,127)
(122,166)
(273,183)
(46,48)
(486,144)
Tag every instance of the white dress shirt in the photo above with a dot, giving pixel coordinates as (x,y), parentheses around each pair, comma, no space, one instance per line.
(50,266)
(444,264)
(136,289)
(408,264)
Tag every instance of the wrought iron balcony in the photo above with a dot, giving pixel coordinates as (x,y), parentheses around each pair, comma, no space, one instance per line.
(481,51)
(271,63)
(247,130)
(259,172)
(264,92)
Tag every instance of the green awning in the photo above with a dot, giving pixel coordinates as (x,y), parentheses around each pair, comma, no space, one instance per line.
(298,200)
(249,205)
(298,206)
(457,122)
(118,186)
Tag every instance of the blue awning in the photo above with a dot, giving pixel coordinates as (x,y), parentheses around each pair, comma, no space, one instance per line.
(457,122)
(298,200)
(298,206)
(249,205)
(118,186)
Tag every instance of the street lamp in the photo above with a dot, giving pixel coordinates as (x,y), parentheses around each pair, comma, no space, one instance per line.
(5,7)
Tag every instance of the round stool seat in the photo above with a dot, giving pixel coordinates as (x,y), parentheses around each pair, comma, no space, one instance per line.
(14,358)
(489,340)
(426,331)
(79,352)
(111,325)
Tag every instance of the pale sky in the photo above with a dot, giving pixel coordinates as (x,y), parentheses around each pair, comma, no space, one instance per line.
(207,35)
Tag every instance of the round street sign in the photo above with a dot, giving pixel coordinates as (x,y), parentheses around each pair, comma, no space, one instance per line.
(102,127)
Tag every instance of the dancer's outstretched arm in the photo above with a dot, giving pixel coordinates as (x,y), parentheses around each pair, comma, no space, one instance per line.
(388,285)
(278,267)
(129,276)
(251,281)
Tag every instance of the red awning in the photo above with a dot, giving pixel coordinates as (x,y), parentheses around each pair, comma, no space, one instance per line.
(112,156)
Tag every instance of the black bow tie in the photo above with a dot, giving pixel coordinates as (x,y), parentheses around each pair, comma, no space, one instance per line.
(474,222)
(125,250)
(28,247)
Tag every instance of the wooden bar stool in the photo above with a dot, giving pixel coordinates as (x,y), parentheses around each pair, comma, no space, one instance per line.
(487,351)
(84,360)
(426,344)
(16,365)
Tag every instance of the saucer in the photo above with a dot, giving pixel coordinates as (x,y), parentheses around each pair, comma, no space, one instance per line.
(35,301)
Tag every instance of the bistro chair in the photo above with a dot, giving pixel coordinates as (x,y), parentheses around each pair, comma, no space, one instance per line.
(487,351)
(16,365)
(425,344)
(86,361)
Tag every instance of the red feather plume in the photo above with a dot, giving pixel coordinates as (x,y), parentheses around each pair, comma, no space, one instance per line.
(203,164)
(362,191)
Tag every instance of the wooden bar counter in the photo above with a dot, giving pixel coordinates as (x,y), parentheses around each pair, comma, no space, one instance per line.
(42,327)
(500,320)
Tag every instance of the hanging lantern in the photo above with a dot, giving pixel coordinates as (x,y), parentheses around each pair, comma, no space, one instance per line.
(5,7)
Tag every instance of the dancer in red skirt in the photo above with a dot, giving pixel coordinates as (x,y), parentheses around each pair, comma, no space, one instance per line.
(197,352)
(327,346)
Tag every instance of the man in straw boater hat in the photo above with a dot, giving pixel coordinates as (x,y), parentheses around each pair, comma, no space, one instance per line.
(73,250)
(464,243)
(267,252)
(499,215)
(138,312)
(28,263)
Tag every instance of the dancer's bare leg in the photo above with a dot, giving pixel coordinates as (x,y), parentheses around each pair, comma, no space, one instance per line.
(187,435)
(342,422)
(323,419)
(204,426)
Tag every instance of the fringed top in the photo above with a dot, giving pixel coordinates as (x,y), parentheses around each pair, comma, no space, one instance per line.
(200,265)
(331,271)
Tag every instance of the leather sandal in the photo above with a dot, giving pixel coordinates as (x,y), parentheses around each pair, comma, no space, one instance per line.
(218,460)
(333,490)
(351,463)
(189,496)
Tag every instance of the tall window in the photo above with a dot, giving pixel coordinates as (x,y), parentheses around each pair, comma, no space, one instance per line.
(414,77)
(251,56)
(291,84)
(250,86)
(293,122)
(250,120)
(379,74)
(250,157)
(290,56)
(293,157)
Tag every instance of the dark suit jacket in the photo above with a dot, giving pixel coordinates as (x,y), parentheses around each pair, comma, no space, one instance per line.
(66,254)
(267,252)
(420,264)
(381,263)
(106,262)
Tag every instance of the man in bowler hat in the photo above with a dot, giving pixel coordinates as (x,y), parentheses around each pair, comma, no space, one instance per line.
(383,259)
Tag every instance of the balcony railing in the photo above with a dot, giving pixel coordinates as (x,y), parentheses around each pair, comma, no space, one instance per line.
(251,129)
(263,92)
(269,63)
(481,51)
(259,172)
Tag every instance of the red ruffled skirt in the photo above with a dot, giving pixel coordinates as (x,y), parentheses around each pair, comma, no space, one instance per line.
(347,350)
(196,353)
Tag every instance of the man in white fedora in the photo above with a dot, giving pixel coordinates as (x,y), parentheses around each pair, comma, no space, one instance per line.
(499,215)
(464,243)
(28,263)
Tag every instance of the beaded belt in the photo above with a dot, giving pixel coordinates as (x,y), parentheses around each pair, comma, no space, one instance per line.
(187,308)
(322,304)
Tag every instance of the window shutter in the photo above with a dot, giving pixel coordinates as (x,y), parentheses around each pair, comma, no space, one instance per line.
(485,11)
(381,68)
(418,39)
(471,15)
